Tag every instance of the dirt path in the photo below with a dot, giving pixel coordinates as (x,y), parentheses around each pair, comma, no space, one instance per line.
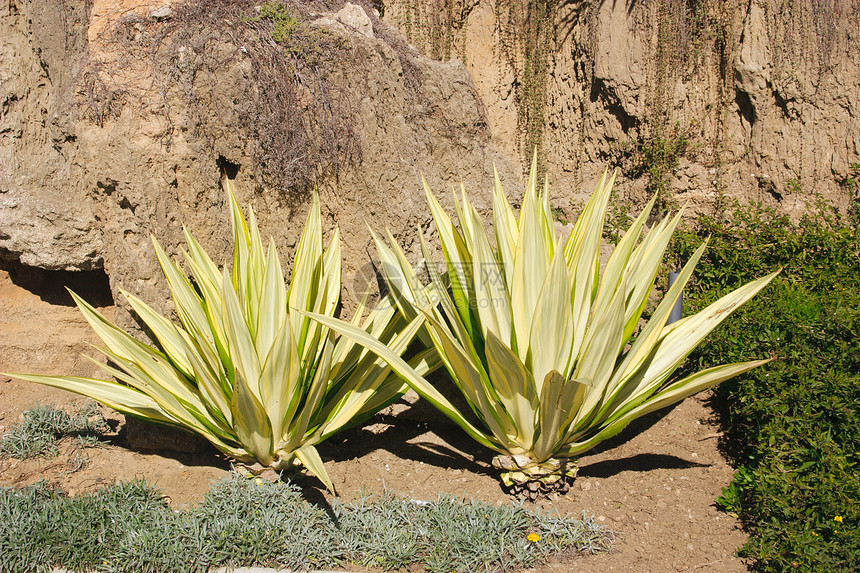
(654,486)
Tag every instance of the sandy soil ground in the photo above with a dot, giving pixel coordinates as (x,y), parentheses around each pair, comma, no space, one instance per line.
(654,485)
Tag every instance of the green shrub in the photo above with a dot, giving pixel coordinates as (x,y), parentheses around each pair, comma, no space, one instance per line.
(284,22)
(793,427)
(40,527)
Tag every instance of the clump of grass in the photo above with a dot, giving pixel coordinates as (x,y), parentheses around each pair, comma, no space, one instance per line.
(240,522)
(284,22)
(43,425)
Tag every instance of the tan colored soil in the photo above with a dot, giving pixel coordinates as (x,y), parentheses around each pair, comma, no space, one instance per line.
(654,485)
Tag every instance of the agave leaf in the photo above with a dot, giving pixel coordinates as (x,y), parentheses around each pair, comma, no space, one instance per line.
(618,388)
(116,396)
(211,384)
(515,388)
(473,380)
(676,392)
(618,264)
(560,400)
(582,253)
(399,275)
(273,305)
(309,456)
(252,425)
(346,353)
(406,291)
(315,385)
(643,271)
(241,244)
(422,363)
(693,384)
(208,329)
(305,283)
(467,223)
(279,379)
(506,230)
(458,330)
(349,402)
(253,275)
(530,195)
(603,341)
(685,335)
(185,298)
(162,386)
(122,399)
(186,410)
(331,272)
(178,346)
(174,342)
(150,363)
(459,263)
(552,323)
(240,343)
(531,264)
(206,269)
(491,296)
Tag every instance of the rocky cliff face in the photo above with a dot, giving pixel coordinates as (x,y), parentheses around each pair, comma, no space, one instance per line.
(46,218)
(708,100)
(119,119)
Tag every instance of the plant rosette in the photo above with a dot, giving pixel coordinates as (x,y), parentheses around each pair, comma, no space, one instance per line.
(244,368)
(547,350)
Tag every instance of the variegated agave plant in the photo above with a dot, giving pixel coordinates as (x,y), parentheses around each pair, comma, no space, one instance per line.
(546,350)
(243,369)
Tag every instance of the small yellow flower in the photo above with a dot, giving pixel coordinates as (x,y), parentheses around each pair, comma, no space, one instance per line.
(838,518)
(533,537)
(258,481)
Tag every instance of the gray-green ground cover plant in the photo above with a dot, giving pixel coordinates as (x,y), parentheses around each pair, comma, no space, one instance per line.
(43,425)
(449,534)
(129,527)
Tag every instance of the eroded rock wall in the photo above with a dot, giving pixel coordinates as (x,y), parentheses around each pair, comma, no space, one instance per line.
(756,99)
(47,220)
(119,120)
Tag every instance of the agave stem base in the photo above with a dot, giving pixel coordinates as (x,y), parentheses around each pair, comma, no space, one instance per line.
(524,477)
(279,464)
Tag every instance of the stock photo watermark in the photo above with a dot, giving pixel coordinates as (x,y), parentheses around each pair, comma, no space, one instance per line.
(460,279)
